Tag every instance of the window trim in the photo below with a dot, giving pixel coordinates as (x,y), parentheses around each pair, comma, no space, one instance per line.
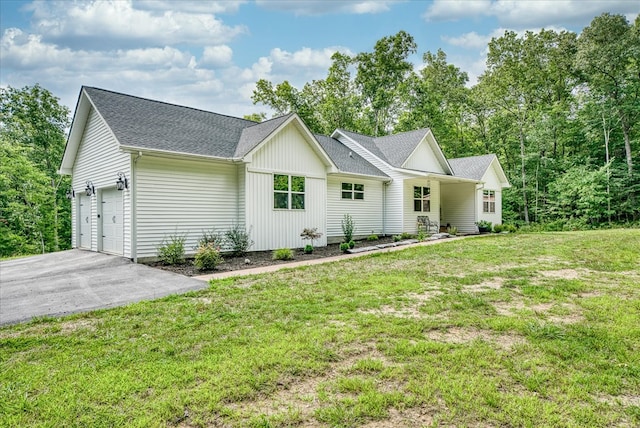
(489,201)
(351,192)
(289,192)
(424,197)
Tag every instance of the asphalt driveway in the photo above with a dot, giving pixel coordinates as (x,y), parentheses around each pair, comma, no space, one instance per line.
(78,281)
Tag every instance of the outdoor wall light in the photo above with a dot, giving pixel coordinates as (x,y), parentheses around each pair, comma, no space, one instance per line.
(71,193)
(122,182)
(90,190)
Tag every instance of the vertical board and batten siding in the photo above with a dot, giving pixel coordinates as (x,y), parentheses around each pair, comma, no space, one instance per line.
(491,182)
(99,159)
(424,159)
(410,220)
(459,206)
(184,198)
(393,197)
(288,152)
(366,213)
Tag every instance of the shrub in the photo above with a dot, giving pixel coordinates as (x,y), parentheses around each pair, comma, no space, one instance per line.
(311,234)
(308,249)
(511,228)
(498,228)
(207,257)
(397,238)
(348,226)
(352,244)
(422,235)
(283,254)
(171,251)
(406,235)
(344,247)
(239,240)
(211,236)
(453,230)
(484,226)
(372,237)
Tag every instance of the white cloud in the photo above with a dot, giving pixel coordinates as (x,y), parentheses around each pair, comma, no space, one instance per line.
(453,10)
(217,56)
(324,7)
(192,6)
(520,14)
(97,22)
(305,57)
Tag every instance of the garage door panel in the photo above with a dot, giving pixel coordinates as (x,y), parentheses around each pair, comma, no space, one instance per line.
(112,222)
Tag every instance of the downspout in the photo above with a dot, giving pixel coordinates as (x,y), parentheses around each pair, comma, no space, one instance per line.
(385,186)
(134,204)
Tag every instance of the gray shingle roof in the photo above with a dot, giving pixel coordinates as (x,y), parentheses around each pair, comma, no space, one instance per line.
(393,149)
(148,124)
(472,167)
(253,135)
(345,159)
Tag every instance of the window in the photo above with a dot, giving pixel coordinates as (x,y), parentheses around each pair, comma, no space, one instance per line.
(489,201)
(288,192)
(352,191)
(421,199)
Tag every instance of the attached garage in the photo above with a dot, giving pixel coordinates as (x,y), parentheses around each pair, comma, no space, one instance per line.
(85,220)
(112,222)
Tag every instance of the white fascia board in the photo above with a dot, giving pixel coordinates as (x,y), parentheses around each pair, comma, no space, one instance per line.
(80,116)
(356,175)
(174,155)
(439,152)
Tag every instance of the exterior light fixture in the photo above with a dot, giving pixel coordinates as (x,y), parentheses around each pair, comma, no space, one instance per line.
(122,182)
(71,193)
(90,190)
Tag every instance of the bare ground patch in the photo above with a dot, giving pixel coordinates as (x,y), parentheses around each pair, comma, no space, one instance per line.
(300,398)
(459,335)
(491,284)
(563,313)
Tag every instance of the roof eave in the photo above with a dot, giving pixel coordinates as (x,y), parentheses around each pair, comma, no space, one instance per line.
(170,153)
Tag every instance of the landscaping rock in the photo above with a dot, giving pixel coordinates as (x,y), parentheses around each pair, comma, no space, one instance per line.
(361,250)
(387,245)
(408,241)
(437,236)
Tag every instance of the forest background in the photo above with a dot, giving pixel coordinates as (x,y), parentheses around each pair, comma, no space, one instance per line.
(560,110)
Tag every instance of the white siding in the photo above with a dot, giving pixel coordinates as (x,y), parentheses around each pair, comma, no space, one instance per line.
(459,206)
(424,159)
(394,204)
(183,197)
(491,182)
(410,219)
(99,159)
(366,213)
(288,153)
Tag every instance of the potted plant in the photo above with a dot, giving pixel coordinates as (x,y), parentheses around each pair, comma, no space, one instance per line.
(484,226)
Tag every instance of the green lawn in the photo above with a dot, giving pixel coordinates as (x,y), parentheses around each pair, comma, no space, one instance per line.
(509,330)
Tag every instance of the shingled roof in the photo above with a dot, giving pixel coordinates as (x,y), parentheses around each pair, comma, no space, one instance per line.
(472,167)
(346,160)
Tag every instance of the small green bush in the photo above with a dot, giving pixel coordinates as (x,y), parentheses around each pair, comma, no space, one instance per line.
(207,257)
(372,237)
(283,254)
(171,251)
(511,228)
(422,235)
(397,238)
(344,247)
(352,244)
(348,226)
(498,228)
(453,230)
(406,235)
(239,240)
(308,249)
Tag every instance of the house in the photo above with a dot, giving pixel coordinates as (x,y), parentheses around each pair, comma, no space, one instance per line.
(143,170)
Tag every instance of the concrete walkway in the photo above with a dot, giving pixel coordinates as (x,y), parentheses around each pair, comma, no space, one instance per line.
(274,268)
(79,281)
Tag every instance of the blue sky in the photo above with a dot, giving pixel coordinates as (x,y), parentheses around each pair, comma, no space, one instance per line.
(209,55)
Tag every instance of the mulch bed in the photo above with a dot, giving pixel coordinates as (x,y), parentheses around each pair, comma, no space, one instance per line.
(262,258)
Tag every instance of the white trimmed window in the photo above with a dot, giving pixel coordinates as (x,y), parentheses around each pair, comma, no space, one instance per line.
(352,191)
(489,201)
(421,199)
(288,192)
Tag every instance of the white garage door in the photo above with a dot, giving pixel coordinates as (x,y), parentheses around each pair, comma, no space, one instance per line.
(112,222)
(84,220)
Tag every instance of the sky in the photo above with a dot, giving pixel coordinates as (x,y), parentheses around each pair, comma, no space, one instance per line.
(209,54)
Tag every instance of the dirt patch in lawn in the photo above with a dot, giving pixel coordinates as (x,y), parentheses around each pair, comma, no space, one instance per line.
(563,313)
(464,335)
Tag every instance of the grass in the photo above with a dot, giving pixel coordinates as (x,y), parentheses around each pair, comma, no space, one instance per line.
(509,330)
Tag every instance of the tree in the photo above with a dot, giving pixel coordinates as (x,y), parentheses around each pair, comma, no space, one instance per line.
(381,77)
(33,141)
(609,61)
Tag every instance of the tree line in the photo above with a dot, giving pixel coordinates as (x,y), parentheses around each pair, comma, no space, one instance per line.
(560,110)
